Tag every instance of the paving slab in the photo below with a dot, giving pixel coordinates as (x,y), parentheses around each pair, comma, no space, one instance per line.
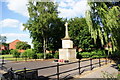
(105,71)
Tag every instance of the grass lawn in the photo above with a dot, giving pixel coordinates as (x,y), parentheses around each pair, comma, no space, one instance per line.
(11,58)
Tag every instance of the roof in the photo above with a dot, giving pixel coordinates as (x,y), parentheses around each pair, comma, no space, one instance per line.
(17,40)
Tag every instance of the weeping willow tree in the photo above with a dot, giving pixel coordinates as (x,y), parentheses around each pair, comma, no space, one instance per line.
(103,19)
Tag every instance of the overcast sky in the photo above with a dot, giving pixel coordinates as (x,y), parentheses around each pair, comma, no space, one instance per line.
(14,13)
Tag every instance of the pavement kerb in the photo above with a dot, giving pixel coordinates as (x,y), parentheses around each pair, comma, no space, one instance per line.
(90,72)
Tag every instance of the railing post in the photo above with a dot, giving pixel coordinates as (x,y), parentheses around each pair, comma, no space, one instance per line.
(57,71)
(99,62)
(106,60)
(91,63)
(79,66)
(11,74)
(2,62)
(16,58)
(24,73)
(25,58)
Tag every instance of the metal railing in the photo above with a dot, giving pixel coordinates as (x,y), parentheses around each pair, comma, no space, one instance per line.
(79,67)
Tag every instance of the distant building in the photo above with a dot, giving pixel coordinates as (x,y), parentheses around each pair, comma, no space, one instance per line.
(2,47)
(12,45)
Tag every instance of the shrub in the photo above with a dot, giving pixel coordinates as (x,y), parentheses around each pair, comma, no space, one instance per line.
(93,54)
(115,54)
(78,55)
(85,54)
(24,54)
(15,53)
(5,52)
(49,56)
(40,55)
(28,53)
(98,53)
(56,55)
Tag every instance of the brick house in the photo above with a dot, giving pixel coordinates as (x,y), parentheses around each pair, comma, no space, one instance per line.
(2,47)
(12,45)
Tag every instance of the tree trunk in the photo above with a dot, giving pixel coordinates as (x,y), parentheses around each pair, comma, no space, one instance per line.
(44,48)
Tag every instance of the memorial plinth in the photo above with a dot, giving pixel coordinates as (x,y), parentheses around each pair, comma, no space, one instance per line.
(67,52)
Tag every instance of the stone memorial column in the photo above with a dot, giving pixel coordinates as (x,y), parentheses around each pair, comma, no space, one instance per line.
(67,52)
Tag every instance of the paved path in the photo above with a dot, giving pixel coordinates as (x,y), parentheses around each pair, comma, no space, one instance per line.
(46,72)
(105,71)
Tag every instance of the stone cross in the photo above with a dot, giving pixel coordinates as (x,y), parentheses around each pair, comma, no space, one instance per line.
(66,31)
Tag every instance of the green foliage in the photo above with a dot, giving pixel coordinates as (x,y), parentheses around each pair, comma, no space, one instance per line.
(23,55)
(92,54)
(119,67)
(45,28)
(49,55)
(79,32)
(40,55)
(79,56)
(105,14)
(5,52)
(85,54)
(29,53)
(3,39)
(56,55)
(15,53)
(116,54)
(22,45)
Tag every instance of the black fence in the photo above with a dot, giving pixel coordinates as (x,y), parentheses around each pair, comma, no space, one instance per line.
(23,73)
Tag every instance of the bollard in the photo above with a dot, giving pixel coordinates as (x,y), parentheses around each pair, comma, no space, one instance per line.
(99,62)
(79,67)
(57,71)
(91,63)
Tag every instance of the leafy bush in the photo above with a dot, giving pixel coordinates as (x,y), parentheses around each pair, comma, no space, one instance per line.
(15,53)
(78,56)
(119,67)
(49,56)
(116,54)
(28,53)
(40,55)
(56,55)
(85,54)
(93,54)
(23,55)
(5,52)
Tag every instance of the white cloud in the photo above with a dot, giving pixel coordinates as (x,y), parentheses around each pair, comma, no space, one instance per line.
(72,8)
(11,23)
(15,35)
(68,8)
(18,6)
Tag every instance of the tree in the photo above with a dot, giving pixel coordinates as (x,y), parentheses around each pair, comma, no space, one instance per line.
(3,39)
(15,53)
(22,45)
(41,24)
(103,21)
(79,32)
